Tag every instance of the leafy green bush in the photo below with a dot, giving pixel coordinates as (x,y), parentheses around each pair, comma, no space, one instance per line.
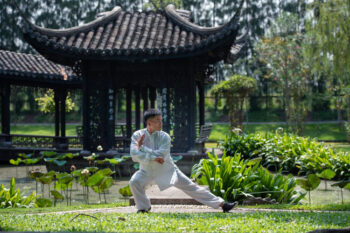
(234,179)
(289,153)
(12,198)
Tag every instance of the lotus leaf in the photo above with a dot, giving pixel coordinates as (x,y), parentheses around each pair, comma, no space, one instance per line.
(43,202)
(327,174)
(57,195)
(309,184)
(59,162)
(35,175)
(125,191)
(342,184)
(49,153)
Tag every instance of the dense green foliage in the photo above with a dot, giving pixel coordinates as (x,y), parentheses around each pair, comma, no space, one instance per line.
(161,4)
(289,153)
(47,102)
(12,198)
(234,179)
(157,222)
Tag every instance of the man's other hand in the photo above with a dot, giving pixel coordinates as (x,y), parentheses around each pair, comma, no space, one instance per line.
(141,140)
(159,160)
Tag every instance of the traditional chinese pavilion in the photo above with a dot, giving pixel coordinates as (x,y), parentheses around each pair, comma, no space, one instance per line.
(158,57)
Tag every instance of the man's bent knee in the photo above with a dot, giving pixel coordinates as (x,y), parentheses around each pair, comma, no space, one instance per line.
(134,183)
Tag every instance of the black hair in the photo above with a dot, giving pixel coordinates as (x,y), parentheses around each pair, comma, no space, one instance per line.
(149,113)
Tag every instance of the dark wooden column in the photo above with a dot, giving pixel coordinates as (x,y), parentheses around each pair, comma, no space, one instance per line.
(184,99)
(57,112)
(97,95)
(128,112)
(111,115)
(152,96)
(145,98)
(5,108)
(145,101)
(137,108)
(63,97)
(191,108)
(86,115)
(168,97)
(201,103)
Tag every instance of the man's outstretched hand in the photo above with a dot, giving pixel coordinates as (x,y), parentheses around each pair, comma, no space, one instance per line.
(141,140)
(159,160)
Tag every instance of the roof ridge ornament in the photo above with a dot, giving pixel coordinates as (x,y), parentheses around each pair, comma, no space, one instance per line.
(105,17)
(106,13)
(172,13)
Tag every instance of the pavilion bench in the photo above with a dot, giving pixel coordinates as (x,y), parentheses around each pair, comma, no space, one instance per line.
(204,133)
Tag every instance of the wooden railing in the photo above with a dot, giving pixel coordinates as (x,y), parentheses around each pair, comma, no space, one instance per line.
(68,142)
(52,142)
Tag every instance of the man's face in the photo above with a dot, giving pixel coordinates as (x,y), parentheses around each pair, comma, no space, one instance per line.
(155,123)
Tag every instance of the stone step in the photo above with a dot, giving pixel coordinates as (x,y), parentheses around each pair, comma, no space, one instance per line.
(170,196)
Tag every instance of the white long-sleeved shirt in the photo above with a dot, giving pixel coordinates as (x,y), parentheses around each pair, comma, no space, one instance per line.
(155,145)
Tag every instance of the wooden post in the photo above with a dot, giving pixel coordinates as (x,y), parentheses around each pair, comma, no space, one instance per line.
(63,95)
(86,112)
(152,96)
(57,112)
(5,108)
(191,106)
(201,103)
(145,101)
(137,108)
(128,112)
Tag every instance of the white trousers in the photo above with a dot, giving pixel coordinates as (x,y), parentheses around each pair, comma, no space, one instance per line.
(140,180)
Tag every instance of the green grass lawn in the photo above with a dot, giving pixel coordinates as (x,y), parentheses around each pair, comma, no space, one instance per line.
(327,131)
(324,207)
(341,147)
(61,206)
(176,222)
(47,130)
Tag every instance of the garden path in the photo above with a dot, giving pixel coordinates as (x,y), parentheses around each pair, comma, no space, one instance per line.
(173,200)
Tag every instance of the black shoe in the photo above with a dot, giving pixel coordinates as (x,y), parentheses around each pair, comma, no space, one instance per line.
(143,211)
(228,206)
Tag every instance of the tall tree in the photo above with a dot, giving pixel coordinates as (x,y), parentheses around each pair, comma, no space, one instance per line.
(328,27)
(161,4)
(283,51)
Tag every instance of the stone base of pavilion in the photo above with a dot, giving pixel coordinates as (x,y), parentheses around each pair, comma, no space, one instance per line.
(170,196)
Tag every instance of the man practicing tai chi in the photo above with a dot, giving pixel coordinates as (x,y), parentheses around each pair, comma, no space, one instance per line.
(151,148)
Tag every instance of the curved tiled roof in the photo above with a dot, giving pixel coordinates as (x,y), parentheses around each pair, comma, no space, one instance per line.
(36,67)
(141,35)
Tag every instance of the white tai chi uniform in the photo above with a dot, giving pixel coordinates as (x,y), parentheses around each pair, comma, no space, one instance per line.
(165,175)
